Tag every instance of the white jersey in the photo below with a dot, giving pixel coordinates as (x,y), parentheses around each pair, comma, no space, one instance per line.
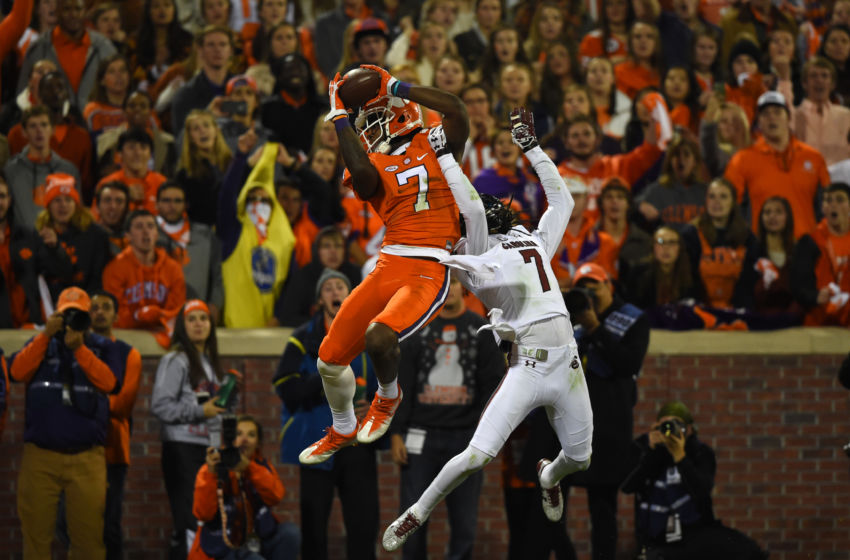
(523,285)
(521,289)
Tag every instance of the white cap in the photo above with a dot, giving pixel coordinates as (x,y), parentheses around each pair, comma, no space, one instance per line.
(575,185)
(772,98)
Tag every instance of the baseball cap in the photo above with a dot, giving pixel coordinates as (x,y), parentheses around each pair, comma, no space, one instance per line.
(771,98)
(575,185)
(58,184)
(239,81)
(370,26)
(73,298)
(591,271)
(327,274)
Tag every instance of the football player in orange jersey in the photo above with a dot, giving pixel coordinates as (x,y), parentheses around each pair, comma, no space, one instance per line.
(390,164)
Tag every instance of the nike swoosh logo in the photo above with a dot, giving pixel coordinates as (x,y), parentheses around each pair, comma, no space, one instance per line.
(420,157)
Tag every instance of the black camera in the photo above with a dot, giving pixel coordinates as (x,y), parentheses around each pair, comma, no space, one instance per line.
(230,454)
(578,300)
(674,426)
(76,319)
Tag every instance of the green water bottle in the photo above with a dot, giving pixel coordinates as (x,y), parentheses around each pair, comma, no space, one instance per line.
(227,391)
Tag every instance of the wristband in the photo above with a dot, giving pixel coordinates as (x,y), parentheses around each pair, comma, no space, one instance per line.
(401,89)
(341,124)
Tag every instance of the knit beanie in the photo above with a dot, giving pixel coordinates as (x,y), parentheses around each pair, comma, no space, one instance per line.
(327,274)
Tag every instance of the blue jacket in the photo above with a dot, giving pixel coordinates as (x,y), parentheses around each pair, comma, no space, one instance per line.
(306,413)
(79,419)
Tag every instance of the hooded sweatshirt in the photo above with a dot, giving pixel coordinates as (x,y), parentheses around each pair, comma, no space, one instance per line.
(253,269)
(149,296)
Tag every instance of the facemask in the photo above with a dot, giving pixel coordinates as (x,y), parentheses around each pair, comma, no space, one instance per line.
(259,213)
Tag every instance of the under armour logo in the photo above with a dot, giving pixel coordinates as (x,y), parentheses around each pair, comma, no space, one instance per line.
(529,363)
(574,363)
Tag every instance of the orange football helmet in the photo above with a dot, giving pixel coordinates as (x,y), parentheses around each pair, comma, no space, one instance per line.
(385,118)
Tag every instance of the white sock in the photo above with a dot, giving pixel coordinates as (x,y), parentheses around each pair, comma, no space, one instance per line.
(388,390)
(450,477)
(559,468)
(344,421)
(338,382)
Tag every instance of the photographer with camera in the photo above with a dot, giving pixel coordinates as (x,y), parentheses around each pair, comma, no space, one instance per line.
(672,483)
(612,339)
(187,401)
(234,493)
(68,373)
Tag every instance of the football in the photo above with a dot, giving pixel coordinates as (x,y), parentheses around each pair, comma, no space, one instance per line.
(360,85)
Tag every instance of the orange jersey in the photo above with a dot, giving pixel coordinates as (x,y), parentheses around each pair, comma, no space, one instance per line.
(100,116)
(414,200)
(592,46)
(797,173)
(632,78)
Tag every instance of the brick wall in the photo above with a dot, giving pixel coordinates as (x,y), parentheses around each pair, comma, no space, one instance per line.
(777,424)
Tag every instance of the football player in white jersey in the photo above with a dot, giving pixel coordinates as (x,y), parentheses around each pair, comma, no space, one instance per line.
(527,310)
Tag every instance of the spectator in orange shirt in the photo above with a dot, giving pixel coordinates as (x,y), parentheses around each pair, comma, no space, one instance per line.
(104,311)
(819,277)
(682,93)
(75,50)
(135,146)
(642,67)
(744,82)
(112,204)
(105,108)
(779,164)
(722,250)
(610,39)
(582,242)
(148,283)
(588,163)
(251,487)
(633,245)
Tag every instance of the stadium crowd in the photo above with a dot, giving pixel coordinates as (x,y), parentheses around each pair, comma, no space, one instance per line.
(171,159)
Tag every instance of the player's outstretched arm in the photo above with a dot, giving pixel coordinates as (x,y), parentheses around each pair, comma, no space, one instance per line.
(364,177)
(554,221)
(466,197)
(455,119)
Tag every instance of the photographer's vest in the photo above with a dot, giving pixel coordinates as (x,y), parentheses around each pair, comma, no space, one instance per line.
(64,411)
(246,515)
(617,323)
(720,268)
(663,498)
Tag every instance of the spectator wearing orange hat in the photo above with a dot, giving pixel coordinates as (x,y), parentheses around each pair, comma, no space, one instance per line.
(27,171)
(236,111)
(149,284)
(72,250)
(68,373)
(136,146)
(612,338)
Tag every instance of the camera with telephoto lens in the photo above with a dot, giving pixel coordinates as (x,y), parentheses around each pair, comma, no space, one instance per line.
(230,454)
(578,300)
(674,426)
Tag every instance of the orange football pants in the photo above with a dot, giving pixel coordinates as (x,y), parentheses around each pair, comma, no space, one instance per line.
(402,293)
